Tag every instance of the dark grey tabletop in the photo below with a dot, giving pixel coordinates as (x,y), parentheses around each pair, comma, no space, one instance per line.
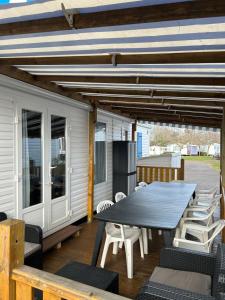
(159,205)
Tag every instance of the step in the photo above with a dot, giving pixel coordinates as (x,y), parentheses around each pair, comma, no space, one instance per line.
(55,239)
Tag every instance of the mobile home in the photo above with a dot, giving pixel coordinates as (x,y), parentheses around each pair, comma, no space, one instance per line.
(44,155)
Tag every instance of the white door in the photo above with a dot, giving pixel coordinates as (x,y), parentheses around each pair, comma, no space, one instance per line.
(43,170)
(58,153)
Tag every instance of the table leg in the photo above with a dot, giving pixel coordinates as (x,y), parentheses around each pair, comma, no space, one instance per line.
(168,237)
(98,242)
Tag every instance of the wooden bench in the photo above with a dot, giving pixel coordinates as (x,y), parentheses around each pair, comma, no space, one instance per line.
(55,239)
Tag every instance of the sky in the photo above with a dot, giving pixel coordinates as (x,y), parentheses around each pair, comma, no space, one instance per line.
(13,1)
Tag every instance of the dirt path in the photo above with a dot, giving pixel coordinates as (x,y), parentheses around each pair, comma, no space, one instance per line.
(201,173)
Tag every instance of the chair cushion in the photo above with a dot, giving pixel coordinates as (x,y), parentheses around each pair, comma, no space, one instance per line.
(193,282)
(30,248)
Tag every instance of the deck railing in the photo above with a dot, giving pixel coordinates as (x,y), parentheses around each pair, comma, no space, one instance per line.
(164,174)
(17,282)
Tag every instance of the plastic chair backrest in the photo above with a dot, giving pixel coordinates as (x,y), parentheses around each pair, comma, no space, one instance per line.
(103,205)
(137,188)
(119,196)
(142,184)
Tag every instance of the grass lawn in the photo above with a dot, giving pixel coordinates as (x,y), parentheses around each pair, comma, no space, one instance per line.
(212,162)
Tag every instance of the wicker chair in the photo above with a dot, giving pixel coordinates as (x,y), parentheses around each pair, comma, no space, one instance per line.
(202,269)
(33,244)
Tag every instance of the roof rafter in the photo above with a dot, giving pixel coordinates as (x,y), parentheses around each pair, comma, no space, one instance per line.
(213,81)
(134,15)
(118,59)
(150,92)
(111,99)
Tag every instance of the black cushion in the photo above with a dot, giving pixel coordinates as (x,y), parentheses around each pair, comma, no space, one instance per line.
(90,275)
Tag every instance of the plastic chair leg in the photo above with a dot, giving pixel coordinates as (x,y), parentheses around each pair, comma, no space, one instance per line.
(141,246)
(105,250)
(129,258)
(115,248)
(145,239)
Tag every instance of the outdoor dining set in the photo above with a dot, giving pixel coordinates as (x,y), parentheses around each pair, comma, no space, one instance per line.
(178,210)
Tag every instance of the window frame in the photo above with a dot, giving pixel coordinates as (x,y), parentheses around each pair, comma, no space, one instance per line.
(106,160)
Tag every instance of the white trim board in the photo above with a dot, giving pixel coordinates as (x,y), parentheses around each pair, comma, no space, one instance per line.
(12,83)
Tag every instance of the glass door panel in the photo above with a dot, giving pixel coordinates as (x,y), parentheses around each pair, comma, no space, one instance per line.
(58,156)
(32,187)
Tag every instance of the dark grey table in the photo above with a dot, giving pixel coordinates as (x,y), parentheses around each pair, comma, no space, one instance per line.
(160,205)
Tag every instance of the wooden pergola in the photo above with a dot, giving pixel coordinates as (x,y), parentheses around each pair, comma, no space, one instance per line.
(156,63)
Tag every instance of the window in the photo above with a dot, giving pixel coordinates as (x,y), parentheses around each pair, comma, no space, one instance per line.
(58,156)
(100,152)
(31,158)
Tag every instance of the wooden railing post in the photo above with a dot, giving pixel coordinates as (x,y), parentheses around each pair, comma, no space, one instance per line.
(180,171)
(92,123)
(11,255)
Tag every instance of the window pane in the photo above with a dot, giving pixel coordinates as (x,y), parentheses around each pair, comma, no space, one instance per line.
(31,158)
(100,153)
(58,156)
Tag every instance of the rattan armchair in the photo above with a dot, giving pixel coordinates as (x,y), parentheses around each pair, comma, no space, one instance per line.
(204,264)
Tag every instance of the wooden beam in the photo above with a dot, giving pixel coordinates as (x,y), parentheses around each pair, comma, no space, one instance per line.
(170,109)
(222,168)
(134,15)
(11,255)
(149,58)
(150,92)
(40,82)
(193,81)
(92,123)
(203,118)
(134,130)
(109,100)
(181,121)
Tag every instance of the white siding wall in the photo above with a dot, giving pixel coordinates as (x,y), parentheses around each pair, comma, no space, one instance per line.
(116,128)
(78,120)
(7,157)
(79,163)
(28,98)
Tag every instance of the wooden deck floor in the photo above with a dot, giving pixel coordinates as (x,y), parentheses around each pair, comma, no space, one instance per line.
(80,249)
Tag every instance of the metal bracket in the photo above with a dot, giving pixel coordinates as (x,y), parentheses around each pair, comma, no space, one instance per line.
(69,15)
(114,61)
(151,93)
(137,80)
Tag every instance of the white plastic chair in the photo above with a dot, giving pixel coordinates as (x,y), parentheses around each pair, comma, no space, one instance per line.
(116,233)
(204,200)
(206,192)
(142,184)
(201,215)
(202,233)
(119,196)
(204,246)
(137,188)
(103,205)
(146,233)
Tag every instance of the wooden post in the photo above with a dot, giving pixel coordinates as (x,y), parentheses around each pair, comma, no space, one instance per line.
(11,255)
(182,169)
(222,168)
(134,129)
(92,123)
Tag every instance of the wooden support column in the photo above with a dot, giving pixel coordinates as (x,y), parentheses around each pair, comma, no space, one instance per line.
(92,123)
(11,255)
(134,129)
(222,168)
